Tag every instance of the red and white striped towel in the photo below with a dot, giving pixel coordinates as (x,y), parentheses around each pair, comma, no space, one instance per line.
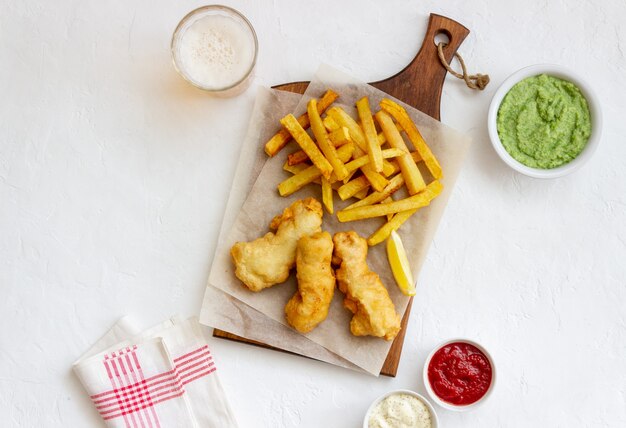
(164,377)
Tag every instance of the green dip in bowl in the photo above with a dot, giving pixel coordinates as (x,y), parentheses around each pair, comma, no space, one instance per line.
(544,122)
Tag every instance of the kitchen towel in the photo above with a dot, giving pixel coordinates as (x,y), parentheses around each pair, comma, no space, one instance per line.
(162,377)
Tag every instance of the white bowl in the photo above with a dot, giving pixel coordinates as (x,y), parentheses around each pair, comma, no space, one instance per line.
(594,108)
(431,409)
(456,407)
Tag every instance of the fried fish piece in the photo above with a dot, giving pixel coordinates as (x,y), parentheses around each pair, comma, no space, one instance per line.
(266,261)
(366,296)
(316,282)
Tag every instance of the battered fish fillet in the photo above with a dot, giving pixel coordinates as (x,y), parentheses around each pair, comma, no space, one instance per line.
(366,296)
(266,261)
(316,282)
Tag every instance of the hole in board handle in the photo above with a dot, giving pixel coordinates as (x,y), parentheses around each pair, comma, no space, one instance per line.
(442,36)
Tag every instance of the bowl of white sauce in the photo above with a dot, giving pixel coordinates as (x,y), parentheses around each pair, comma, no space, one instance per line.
(215,49)
(401,409)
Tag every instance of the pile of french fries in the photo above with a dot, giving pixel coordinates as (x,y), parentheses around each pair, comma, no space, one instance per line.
(366,159)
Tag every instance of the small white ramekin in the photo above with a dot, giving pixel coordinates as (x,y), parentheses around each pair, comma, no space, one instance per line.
(561,73)
(456,407)
(431,409)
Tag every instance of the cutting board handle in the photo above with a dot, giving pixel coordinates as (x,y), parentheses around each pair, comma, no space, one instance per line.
(420,83)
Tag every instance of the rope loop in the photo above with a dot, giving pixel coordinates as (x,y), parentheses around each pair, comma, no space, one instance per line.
(473,81)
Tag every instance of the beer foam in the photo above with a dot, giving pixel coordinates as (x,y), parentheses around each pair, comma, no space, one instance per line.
(216,51)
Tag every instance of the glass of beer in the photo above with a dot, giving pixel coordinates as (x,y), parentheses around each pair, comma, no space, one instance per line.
(215,49)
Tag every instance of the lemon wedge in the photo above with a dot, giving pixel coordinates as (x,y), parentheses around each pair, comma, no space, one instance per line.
(400,264)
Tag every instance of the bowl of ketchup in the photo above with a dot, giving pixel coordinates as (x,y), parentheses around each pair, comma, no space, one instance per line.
(459,374)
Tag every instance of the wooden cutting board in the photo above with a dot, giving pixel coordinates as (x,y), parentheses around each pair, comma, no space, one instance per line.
(419,84)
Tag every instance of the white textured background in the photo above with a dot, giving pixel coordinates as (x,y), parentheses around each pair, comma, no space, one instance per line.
(114,175)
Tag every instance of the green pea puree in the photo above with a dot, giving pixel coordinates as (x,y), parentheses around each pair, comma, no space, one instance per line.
(544,122)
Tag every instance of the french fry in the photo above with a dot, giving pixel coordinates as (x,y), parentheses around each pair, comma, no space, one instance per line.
(388,168)
(395,166)
(392,153)
(362,194)
(352,187)
(402,117)
(386,201)
(298,181)
(296,158)
(342,118)
(364,160)
(338,137)
(414,202)
(310,174)
(327,195)
(412,176)
(333,180)
(349,177)
(345,152)
(381,137)
(384,231)
(306,143)
(330,124)
(375,197)
(328,149)
(391,167)
(416,156)
(282,137)
(376,179)
(369,132)
(294,169)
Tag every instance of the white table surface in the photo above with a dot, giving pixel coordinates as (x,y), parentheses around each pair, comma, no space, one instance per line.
(114,175)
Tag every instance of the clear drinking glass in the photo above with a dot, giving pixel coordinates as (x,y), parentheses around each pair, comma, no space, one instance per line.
(215,49)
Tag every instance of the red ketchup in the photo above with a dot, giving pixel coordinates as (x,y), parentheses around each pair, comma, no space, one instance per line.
(459,373)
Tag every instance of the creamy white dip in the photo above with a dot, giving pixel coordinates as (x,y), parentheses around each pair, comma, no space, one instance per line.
(400,411)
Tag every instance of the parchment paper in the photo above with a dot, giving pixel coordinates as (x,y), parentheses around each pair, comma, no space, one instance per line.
(264,203)
(223,311)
